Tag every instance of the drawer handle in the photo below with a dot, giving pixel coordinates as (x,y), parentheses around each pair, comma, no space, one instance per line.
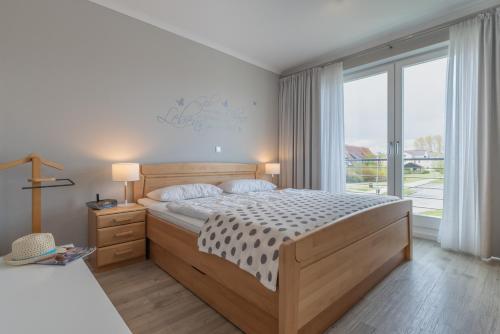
(115,220)
(123,252)
(124,234)
(198,270)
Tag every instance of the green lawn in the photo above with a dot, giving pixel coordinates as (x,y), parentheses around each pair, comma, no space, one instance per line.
(365,187)
(438,213)
(409,180)
(408,191)
(436,176)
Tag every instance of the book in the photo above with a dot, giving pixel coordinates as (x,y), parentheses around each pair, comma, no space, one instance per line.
(71,254)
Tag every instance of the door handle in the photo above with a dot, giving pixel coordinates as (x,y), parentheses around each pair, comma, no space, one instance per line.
(397,147)
(389,149)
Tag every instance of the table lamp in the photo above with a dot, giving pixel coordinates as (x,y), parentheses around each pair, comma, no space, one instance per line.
(273,169)
(125,172)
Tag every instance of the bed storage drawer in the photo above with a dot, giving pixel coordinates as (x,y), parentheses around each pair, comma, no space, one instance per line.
(215,294)
(121,219)
(118,234)
(121,252)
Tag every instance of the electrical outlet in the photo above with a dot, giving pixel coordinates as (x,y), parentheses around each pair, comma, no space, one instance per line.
(218,149)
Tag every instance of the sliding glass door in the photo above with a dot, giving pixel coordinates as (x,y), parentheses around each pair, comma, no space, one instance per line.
(367,115)
(423,94)
(394,131)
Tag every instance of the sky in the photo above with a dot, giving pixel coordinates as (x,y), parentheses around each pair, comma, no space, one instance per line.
(424,94)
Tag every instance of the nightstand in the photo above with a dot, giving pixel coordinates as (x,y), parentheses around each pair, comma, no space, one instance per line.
(119,235)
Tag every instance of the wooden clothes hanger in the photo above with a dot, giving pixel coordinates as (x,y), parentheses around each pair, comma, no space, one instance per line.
(36,184)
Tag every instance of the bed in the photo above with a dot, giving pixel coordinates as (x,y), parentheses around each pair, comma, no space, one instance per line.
(321,273)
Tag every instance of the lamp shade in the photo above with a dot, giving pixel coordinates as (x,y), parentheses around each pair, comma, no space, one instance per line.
(273,168)
(125,171)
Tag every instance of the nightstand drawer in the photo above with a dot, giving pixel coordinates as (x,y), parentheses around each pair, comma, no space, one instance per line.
(121,252)
(118,234)
(121,218)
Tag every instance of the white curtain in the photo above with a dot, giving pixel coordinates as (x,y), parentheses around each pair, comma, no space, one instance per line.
(332,129)
(471,213)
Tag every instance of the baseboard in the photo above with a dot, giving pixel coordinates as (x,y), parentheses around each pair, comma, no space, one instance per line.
(492,259)
(425,233)
(425,227)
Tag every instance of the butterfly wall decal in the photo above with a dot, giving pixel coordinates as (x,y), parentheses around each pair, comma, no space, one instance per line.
(205,112)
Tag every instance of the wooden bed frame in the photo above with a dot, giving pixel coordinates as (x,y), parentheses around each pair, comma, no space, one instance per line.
(321,274)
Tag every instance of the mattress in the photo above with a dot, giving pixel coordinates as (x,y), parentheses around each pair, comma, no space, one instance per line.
(160,210)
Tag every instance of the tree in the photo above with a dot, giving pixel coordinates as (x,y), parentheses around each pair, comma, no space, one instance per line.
(438,142)
(419,143)
(430,143)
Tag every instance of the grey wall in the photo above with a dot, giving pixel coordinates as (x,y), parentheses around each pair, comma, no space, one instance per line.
(3,144)
(83,86)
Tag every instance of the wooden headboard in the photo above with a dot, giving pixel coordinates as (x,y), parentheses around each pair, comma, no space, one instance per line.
(156,176)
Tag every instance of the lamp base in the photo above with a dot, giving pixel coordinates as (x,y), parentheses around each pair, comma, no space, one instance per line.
(126,203)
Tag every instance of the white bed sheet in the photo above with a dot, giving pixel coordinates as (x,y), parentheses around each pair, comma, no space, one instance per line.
(160,210)
(202,208)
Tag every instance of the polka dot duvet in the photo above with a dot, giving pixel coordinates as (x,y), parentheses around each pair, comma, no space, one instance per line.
(250,232)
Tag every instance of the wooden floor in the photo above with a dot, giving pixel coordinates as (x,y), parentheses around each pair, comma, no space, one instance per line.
(438,292)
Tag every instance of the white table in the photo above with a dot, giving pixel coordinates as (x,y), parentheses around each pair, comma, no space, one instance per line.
(55,299)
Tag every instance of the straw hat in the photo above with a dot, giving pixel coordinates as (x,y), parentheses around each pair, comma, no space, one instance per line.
(32,248)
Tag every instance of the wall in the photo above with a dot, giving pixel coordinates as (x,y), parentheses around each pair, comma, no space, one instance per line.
(85,86)
(3,232)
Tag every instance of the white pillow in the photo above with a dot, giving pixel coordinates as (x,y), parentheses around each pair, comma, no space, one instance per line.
(246,185)
(184,191)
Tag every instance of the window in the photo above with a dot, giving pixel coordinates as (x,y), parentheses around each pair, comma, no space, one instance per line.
(394,131)
(424,103)
(365,117)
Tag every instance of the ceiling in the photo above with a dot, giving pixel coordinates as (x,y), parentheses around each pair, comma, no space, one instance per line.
(279,35)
